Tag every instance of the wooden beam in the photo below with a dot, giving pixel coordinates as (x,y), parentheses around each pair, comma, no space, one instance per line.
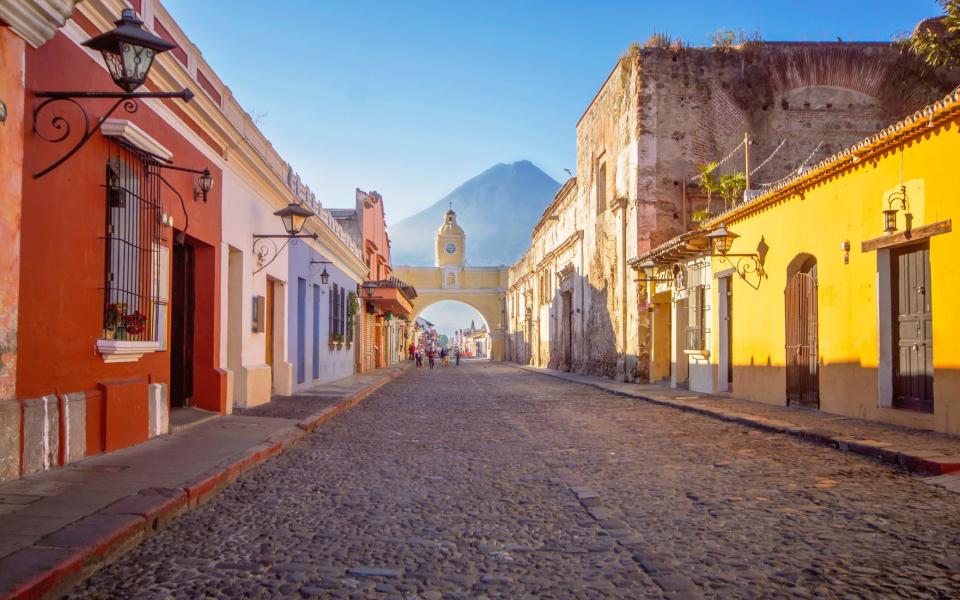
(902,237)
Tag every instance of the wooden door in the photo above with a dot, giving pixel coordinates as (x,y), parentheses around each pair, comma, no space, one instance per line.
(268,323)
(803,378)
(181,326)
(728,321)
(913,328)
(567,325)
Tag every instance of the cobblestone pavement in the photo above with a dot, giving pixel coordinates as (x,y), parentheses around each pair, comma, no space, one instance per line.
(486,480)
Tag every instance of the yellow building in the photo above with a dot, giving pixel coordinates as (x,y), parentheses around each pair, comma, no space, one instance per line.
(482,288)
(839,285)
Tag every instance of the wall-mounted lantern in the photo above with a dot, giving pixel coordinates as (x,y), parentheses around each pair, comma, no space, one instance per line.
(293,216)
(324,276)
(3,112)
(890,214)
(128,51)
(721,240)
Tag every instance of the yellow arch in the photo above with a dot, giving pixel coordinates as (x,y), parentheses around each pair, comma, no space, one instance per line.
(481,288)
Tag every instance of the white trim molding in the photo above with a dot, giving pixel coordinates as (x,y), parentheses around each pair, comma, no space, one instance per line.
(36,21)
(117,351)
(133,135)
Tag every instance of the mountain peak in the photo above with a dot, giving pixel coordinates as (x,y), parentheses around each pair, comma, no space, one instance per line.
(497,209)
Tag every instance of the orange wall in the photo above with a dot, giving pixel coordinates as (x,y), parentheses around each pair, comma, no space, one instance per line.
(63,252)
(11,169)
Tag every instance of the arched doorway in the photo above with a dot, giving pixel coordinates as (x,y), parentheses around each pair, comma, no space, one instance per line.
(800,304)
(460,325)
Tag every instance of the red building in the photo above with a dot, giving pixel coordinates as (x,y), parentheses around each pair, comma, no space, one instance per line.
(385,305)
(118,314)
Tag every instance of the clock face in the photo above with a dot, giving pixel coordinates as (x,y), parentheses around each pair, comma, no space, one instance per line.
(451,248)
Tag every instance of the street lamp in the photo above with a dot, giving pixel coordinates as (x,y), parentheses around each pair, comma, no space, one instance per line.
(890,214)
(324,276)
(204,185)
(368,287)
(293,216)
(721,239)
(128,50)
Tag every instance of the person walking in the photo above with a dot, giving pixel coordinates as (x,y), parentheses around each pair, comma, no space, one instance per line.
(412,351)
(443,356)
(430,356)
(456,355)
(418,355)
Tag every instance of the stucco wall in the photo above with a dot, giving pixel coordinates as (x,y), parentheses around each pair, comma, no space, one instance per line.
(336,362)
(847,206)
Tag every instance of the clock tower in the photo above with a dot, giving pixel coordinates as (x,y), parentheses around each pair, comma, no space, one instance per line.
(450,249)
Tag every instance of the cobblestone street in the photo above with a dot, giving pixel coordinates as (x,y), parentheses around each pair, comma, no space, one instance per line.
(486,480)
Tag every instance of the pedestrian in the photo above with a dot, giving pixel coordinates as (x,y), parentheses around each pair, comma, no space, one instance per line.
(412,351)
(443,356)
(430,356)
(419,355)
(456,355)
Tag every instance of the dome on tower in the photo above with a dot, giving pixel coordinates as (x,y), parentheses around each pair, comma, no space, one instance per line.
(450,226)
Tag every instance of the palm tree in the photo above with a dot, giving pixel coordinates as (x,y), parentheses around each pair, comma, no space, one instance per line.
(937,41)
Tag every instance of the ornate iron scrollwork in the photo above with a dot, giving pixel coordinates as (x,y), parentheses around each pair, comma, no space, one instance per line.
(59,128)
(266,250)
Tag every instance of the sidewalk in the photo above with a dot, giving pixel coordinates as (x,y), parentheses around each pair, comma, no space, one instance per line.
(62,525)
(919,451)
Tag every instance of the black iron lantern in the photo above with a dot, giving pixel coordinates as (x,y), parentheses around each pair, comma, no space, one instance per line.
(204,185)
(129,50)
(722,239)
(368,287)
(324,277)
(294,216)
(890,220)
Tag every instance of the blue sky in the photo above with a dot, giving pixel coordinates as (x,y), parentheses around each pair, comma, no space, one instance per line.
(413,98)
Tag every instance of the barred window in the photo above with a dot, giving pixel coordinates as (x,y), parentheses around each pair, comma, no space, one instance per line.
(602,188)
(134,278)
(696,318)
(334,312)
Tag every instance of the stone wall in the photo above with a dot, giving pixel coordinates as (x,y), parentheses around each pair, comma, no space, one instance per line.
(658,117)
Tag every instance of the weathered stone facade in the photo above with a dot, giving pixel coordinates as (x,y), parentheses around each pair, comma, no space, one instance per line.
(658,117)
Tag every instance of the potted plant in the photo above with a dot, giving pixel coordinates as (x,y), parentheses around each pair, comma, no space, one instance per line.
(115,326)
(135,323)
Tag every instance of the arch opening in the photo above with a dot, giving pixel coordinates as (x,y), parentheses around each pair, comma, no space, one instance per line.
(459,323)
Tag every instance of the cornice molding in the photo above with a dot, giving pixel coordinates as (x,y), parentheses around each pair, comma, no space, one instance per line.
(36,21)
(133,135)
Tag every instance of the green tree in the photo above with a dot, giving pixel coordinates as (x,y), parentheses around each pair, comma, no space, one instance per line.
(937,41)
(708,184)
(732,187)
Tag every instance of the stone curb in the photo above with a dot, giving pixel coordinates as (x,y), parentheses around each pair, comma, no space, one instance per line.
(915,461)
(73,553)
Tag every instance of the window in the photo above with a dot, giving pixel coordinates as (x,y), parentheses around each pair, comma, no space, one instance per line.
(451,279)
(602,188)
(316,331)
(696,319)
(351,309)
(134,280)
(334,313)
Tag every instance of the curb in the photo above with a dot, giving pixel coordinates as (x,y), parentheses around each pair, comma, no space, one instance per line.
(76,551)
(317,419)
(921,462)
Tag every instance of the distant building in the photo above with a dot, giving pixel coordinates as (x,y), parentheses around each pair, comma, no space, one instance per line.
(572,301)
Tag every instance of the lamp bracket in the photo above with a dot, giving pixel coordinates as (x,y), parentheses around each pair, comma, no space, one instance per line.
(61,126)
(744,265)
(265,249)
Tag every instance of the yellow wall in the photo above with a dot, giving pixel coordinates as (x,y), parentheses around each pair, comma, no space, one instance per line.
(480,288)
(816,219)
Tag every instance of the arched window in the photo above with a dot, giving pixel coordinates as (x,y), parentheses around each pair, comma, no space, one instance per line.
(451,279)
